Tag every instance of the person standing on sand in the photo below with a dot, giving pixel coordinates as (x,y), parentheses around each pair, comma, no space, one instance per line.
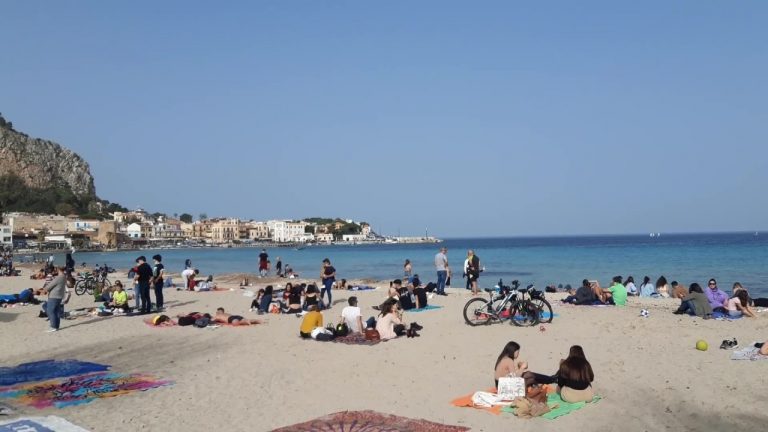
(157,280)
(441,265)
(263,265)
(407,269)
(143,278)
(328,277)
(473,270)
(58,296)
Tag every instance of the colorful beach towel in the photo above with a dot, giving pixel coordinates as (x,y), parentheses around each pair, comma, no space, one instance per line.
(46,369)
(748,353)
(369,421)
(558,406)
(425,308)
(466,402)
(39,424)
(77,390)
(355,339)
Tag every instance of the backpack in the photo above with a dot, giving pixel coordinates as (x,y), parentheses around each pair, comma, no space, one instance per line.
(372,335)
(341,330)
(202,322)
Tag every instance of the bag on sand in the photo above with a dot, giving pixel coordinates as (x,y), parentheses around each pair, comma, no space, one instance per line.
(510,388)
(202,322)
(372,334)
(341,330)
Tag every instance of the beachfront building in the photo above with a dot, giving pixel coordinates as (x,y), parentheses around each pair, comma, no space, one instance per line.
(168,229)
(6,237)
(287,230)
(33,223)
(259,231)
(225,230)
(324,238)
(353,238)
(133,231)
(202,229)
(80,225)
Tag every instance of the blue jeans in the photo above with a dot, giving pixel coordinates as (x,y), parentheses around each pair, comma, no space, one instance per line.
(327,287)
(137,297)
(159,295)
(55,311)
(146,303)
(265,301)
(442,275)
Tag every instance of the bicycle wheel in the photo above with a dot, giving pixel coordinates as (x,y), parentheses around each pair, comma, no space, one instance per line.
(545,310)
(526,314)
(79,288)
(476,312)
(89,286)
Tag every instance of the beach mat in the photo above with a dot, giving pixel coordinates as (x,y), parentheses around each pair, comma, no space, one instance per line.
(46,369)
(78,390)
(563,408)
(39,424)
(425,308)
(355,339)
(748,353)
(369,421)
(466,402)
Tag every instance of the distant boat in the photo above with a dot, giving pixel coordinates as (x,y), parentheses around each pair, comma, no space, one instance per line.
(299,248)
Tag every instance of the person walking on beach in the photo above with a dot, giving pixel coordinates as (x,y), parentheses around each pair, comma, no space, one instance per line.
(279,267)
(58,296)
(328,277)
(157,280)
(407,269)
(441,265)
(142,279)
(473,270)
(263,265)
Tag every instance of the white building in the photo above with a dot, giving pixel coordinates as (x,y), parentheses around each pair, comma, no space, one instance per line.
(287,231)
(324,237)
(133,231)
(6,236)
(353,237)
(83,225)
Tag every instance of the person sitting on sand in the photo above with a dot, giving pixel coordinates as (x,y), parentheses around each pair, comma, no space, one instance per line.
(340,285)
(266,300)
(312,298)
(662,287)
(583,296)
(257,300)
(679,291)
(631,288)
(509,364)
(394,289)
(312,320)
(352,317)
(119,298)
(294,298)
(717,298)
(420,294)
(695,303)
(647,289)
(616,294)
(575,376)
(763,347)
(390,323)
(235,320)
(738,306)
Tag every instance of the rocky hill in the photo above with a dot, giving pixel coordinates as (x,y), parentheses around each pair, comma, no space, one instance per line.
(42,164)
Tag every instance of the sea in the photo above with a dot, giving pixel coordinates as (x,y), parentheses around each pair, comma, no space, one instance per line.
(687,258)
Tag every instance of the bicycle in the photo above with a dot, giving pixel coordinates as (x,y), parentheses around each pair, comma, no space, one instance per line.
(85,283)
(521,311)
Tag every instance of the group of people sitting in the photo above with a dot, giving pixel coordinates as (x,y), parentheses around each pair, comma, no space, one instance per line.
(412,296)
(713,300)
(6,265)
(591,293)
(574,376)
(199,319)
(293,299)
(191,283)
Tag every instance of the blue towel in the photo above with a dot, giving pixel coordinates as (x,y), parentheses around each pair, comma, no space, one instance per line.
(46,369)
(425,308)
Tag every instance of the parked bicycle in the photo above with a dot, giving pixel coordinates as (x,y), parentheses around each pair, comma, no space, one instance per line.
(507,303)
(85,283)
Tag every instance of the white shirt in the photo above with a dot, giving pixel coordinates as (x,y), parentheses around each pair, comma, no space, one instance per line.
(187,273)
(350,315)
(441,261)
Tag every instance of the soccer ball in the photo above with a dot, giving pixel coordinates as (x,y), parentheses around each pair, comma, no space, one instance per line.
(644,313)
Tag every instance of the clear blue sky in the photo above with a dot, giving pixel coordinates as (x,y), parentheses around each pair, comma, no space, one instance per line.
(469,118)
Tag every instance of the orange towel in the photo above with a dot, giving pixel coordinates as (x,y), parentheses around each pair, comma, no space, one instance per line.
(466,401)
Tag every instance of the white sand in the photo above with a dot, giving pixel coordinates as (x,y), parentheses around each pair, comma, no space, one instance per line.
(262,377)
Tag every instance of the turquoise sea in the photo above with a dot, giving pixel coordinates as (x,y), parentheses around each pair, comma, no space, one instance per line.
(687,258)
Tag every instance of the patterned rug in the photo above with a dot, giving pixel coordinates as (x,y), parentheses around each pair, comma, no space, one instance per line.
(369,421)
(77,390)
(47,369)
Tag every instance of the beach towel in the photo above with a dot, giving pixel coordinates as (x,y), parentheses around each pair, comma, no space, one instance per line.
(361,288)
(558,407)
(78,390)
(46,369)
(39,424)
(171,323)
(369,421)
(425,308)
(467,402)
(355,339)
(748,353)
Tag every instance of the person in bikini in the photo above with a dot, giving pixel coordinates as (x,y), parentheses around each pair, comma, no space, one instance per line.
(222,317)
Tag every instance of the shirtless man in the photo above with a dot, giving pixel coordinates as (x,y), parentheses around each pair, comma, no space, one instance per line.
(235,320)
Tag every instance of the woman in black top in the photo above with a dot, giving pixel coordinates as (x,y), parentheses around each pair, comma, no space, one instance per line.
(311,297)
(574,379)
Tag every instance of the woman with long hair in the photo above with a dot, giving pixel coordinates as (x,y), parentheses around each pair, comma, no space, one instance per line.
(509,364)
(662,287)
(574,379)
(738,305)
(407,269)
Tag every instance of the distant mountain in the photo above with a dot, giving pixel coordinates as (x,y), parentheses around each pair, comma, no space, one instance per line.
(41,176)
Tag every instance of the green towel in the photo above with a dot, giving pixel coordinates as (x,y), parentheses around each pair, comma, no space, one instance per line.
(563,408)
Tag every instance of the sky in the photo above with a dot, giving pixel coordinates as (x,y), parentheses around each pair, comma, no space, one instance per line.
(489,118)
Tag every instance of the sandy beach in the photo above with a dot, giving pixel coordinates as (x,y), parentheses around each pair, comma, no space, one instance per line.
(259,378)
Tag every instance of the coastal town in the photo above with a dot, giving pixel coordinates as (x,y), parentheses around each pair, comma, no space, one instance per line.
(139,229)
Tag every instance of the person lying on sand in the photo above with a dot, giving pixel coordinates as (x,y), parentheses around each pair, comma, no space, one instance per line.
(236,320)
